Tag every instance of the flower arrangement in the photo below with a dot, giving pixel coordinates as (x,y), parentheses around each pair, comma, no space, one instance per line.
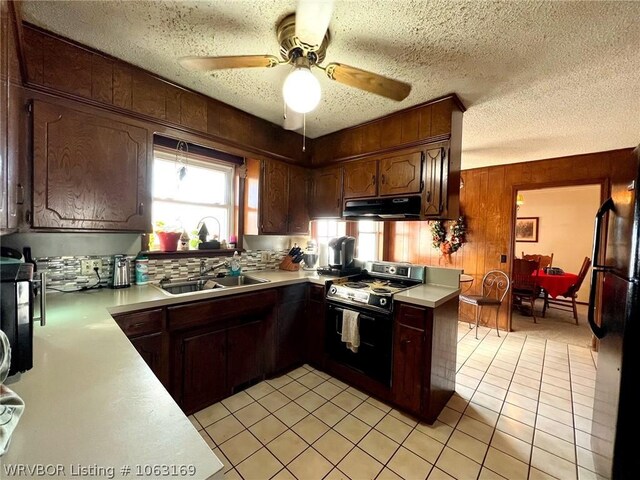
(455,241)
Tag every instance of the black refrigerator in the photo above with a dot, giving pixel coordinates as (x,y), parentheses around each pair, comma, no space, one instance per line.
(615,295)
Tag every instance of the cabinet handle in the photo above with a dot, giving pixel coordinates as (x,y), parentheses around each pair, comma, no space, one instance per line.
(141,208)
(373,179)
(428,196)
(138,325)
(382,178)
(406,342)
(338,202)
(20,194)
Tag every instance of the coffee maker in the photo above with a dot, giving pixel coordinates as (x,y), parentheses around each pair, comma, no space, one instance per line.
(341,259)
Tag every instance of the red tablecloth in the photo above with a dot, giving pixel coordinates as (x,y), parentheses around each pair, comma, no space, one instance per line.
(556,284)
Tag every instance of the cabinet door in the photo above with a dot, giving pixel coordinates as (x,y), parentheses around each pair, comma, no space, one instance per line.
(290,334)
(150,349)
(245,353)
(274,196)
(360,179)
(401,174)
(326,193)
(315,333)
(298,201)
(408,359)
(203,369)
(89,170)
(433,194)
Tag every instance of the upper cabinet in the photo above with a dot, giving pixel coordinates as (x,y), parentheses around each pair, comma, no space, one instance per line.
(90,170)
(361,179)
(325,198)
(441,194)
(401,174)
(274,197)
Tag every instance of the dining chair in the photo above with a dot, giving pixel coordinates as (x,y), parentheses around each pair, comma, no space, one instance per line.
(544,260)
(524,284)
(568,300)
(495,285)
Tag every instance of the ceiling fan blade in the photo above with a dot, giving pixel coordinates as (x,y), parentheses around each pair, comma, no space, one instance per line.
(312,20)
(293,120)
(238,61)
(371,82)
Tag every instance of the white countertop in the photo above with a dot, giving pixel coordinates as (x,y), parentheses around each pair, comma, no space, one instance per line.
(91,401)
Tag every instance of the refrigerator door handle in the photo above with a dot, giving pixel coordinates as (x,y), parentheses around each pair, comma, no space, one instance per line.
(598,331)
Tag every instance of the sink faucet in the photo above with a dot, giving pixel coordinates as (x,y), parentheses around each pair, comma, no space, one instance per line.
(204,270)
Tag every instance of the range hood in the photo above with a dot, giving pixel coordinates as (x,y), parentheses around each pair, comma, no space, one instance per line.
(390,208)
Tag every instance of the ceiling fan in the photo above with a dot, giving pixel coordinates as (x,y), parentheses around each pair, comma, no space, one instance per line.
(304,38)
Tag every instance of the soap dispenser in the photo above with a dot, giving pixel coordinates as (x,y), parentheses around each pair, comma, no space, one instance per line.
(235,267)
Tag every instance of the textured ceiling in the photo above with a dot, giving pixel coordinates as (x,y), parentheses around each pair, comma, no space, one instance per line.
(539,79)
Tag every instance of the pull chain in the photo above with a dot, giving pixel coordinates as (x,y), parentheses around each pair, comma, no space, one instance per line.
(304,132)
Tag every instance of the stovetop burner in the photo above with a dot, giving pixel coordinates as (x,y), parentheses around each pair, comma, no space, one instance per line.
(356,284)
(380,290)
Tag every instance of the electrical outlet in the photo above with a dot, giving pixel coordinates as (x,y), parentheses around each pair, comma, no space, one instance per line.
(265,256)
(503,259)
(87,266)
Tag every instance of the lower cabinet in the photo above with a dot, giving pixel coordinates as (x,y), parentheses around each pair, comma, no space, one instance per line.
(291,326)
(315,320)
(245,353)
(408,366)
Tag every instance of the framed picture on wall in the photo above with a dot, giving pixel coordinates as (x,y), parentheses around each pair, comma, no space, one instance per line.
(527,229)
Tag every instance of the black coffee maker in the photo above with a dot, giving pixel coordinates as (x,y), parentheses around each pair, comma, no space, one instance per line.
(341,252)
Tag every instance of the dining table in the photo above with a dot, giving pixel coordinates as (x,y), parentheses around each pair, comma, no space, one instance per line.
(556,285)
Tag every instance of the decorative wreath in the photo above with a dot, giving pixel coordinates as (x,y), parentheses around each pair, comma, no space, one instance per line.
(455,241)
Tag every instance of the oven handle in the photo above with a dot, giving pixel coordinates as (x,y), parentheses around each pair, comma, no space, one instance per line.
(362,315)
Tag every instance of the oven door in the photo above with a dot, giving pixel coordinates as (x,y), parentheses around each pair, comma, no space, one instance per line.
(373,357)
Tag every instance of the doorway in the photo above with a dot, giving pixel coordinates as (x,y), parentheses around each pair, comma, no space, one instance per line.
(557,221)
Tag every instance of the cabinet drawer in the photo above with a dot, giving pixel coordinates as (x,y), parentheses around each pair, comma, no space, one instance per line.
(200,314)
(294,293)
(141,323)
(316,293)
(411,316)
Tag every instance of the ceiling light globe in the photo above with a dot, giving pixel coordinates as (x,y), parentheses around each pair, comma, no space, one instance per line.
(301,90)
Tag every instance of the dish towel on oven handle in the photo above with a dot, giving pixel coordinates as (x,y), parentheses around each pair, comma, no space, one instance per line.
(11,405)
(351,329)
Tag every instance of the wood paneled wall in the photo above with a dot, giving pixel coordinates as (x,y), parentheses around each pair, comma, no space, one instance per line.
(58,65)
(488,202)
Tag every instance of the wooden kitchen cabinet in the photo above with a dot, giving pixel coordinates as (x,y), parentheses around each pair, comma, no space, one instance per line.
(360,179)
(150,348)
(433,189)
(315,333)
(401,174)
(291,327)
(325,199)
(245,353)
(298,198)
(90,170)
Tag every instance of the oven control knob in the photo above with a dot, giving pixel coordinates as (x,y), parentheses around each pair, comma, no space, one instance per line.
(333,290)
(392,270)
(383,302)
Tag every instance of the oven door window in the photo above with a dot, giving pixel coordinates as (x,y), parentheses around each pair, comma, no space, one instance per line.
(373,357)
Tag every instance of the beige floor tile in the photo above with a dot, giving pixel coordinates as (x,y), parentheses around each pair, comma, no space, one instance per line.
(409,465)
(237,401)
(423,445)
(555,445)
(378,446)
(352,428)
(582,423)
(251,414)
(261,464)
(346,401)
(321,374)
(357,393)
(526,381)
(535,474)
(310,401)
(298,372)
(468,446)
(368,414)
(291,414)
(259,390)
(333,446)
(336,474)
(497,380)
(207,439)
(283,474)
(467,381)
(492,390)
(515,428)
(394,428)
(310,429)
(532,393)
(484,414)
(510,445)
(327,390)
(583,439)
(522,401)
(237,448)
(586,459)
(554,428)
(518,413)
(583,410)
(465,392)
(330,413)
(456,402)
(387,474)
(232,475)
(211,414)
(194,422)
(475,428)
(404,417)
(287,446)
(378,404)
(555,390)
(555,381)
(358,465)
(555,414)
(274,401)
(506,465)
(449,416)
(438,430)
(553,465)
(457,465)
(280,382)
(225,461)
(311,380)
(338,383)
(293,390)
(310,465)
(437,474)
(224,429)
(267,429)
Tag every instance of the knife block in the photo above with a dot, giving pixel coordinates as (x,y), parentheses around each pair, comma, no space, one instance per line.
(287,264)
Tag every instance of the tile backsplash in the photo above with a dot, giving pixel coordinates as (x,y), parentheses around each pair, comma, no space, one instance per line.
(63,273)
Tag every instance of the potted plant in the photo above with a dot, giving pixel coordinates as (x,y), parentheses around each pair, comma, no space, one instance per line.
(168,238)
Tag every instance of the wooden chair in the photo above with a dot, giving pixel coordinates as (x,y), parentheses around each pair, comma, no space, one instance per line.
(524,284)
(544,260)
(495,285)
(568,302)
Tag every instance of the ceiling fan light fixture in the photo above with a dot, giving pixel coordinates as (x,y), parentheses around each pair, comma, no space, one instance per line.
(301,89)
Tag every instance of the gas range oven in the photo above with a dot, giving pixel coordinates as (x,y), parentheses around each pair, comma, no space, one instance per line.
(370,295)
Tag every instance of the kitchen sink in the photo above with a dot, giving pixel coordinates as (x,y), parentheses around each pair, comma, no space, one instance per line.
(177,287)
